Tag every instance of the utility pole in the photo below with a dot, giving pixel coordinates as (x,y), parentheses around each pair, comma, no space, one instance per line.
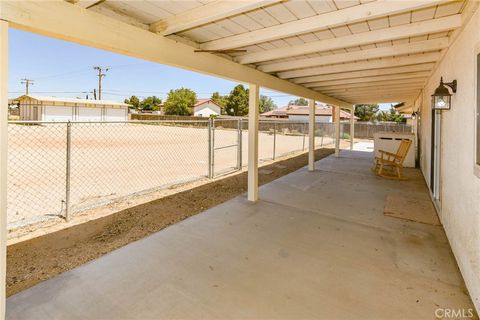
(27,83)
(100,75)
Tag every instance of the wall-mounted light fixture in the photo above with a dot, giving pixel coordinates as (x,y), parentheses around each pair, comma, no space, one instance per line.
(442,98)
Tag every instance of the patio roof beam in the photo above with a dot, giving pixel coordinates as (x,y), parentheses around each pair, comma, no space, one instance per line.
(107,11)
(363,38)
(425,67)
(377,90)
(363,65)
(395,50)
(372,92)
(327,20)
(401,76)
(381,92)
(210,12)
(62,20)
(371,83)
(383,100)
(378,98)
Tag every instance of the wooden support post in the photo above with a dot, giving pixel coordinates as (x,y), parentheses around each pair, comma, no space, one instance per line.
(352,126)
(3,160)
(337,131)
(253,143)
(311,135)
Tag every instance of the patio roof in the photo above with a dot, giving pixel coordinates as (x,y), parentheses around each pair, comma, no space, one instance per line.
(337,52)
(340,53)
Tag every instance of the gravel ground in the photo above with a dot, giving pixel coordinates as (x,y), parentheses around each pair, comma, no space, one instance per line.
(113,161)
(40,258)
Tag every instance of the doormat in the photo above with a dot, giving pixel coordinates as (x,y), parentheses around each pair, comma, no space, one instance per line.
(411,209)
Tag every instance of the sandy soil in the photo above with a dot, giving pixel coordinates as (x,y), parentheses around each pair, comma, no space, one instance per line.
(112,161)
(38,259)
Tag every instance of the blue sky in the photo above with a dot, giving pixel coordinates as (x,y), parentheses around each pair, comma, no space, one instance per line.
(65,69)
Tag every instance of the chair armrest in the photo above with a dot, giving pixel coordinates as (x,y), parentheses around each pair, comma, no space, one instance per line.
(387,153)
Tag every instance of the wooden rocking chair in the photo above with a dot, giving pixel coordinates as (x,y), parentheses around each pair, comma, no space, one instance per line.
(394,161)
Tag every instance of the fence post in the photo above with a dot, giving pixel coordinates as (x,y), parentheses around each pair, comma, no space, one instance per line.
(274,139)
(303,145)
(213,147)
(67,174)
(210,173)
(239,144)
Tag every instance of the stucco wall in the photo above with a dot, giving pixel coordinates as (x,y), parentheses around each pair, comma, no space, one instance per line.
(460,185)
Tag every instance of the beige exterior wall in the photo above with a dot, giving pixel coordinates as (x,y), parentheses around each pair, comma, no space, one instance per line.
(206,110)
(69,111)
(460,178)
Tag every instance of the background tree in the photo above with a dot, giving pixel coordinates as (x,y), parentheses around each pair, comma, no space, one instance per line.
(180,102)
(151,103)
(237,101)
(390,116)
(366,112)
(266,104)
(134,101)
(299,102)
(220,100)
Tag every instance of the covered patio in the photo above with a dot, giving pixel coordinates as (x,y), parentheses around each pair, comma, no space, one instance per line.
(317,245)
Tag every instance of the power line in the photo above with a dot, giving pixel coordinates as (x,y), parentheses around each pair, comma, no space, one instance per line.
(50,92)
(84,70)
(65,74)
(27,83)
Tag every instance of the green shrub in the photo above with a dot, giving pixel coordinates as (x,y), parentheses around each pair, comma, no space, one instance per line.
(345,136)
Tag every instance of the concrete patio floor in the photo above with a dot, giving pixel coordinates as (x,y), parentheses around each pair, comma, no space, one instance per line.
(317,245)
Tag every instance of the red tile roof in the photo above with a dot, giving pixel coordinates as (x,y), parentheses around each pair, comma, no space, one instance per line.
(202,101)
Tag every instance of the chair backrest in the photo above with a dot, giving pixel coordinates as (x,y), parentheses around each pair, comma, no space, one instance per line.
(402,150)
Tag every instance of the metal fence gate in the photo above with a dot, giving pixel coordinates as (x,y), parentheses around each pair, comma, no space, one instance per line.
(225,146)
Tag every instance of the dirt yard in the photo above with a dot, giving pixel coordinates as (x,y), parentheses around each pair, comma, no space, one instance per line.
(113,161)
(38,259)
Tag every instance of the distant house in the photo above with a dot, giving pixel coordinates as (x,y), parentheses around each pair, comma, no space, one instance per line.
(323,113)
(36,108)
(206,108)
(201,108)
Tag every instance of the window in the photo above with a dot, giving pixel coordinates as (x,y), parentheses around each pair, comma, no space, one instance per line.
(478,111)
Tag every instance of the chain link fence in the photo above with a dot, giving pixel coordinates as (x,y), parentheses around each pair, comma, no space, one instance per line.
(36,172)
(59,169)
